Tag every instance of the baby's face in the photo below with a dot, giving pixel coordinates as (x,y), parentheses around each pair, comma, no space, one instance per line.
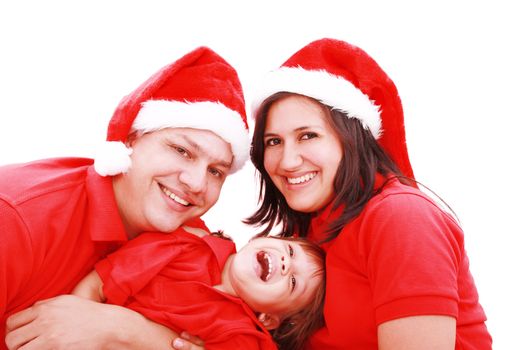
(274,276)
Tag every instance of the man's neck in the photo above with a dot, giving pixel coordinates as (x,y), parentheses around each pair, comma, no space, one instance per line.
(121,206)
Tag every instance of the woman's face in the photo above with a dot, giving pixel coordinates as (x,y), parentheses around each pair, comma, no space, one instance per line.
(302,152)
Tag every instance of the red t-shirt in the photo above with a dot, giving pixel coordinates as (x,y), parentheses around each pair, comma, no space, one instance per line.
(169,278)
(402,256)
(57,218)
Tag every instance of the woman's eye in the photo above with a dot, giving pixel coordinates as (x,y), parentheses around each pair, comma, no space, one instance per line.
(290,250)
(272,142)
(294,282)
(308,136)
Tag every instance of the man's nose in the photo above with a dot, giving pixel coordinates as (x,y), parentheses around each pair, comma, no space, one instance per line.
(194,178)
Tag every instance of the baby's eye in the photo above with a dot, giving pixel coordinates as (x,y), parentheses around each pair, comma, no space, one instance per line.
(272,142)
(308,136)
(294,282)
(290,250)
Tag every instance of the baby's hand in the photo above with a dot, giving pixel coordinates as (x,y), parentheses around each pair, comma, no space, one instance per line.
(188,342)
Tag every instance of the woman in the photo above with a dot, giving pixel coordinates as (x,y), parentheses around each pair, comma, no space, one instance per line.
(330,147)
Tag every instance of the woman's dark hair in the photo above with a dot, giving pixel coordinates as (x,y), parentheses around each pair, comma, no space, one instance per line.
(295,329)
(354,182)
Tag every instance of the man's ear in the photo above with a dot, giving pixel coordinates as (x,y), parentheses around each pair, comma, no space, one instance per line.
(131,138)
(269,321)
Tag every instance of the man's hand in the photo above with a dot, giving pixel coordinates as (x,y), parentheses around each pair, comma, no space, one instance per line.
(70,322)
(64,322)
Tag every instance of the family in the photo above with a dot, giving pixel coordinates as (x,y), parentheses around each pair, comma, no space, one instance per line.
(111,253)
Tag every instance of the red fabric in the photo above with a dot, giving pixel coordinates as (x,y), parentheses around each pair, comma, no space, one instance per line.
(354,65)
(201,75)
(169,278)
(57,218)
(402,256)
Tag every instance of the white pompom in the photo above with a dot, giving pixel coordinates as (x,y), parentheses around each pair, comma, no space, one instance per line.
(112,158)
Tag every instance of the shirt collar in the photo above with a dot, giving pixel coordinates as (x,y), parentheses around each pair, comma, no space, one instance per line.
(221,249)
(246,309)
(103,220)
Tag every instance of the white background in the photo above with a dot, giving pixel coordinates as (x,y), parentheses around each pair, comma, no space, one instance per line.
(459,68)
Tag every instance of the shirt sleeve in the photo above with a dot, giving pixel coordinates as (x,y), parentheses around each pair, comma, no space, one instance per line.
(16,258)
(128,270)
(413,253)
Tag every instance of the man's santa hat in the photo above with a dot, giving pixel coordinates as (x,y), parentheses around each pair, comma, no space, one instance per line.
(200,90)
(346,78)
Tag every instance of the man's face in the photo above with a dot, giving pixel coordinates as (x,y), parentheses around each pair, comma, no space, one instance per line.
(176,175)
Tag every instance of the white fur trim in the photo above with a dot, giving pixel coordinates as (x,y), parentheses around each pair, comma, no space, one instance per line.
(330,89)
(213,116)
(112,158)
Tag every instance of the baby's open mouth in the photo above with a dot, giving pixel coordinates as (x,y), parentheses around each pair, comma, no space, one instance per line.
(265,262)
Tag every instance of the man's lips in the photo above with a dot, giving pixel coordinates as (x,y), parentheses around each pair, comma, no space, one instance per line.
(174,197)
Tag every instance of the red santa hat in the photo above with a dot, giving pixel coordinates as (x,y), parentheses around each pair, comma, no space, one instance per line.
(200,90)
(344,77)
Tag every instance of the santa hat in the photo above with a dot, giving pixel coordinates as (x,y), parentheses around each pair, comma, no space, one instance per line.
(200,90)
(346,78)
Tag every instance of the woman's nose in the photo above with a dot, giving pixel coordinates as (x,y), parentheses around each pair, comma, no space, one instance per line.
(290,157)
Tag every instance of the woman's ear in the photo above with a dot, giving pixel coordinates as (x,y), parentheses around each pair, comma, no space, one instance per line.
(269,321)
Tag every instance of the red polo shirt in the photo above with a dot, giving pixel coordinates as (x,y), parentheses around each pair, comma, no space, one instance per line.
(402,256)
(169,278)
(57,218)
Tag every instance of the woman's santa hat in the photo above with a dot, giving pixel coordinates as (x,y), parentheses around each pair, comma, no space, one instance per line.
(346,78)
(200,90)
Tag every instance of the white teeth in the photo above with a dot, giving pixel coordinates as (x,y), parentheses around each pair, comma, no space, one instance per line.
(174,197)
(270,266)
(301,179)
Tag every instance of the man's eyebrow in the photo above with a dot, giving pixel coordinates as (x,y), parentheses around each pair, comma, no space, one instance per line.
(192,143)
(198,148)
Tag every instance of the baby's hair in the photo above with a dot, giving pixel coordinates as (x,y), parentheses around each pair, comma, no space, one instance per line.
(296,328)
(221,234)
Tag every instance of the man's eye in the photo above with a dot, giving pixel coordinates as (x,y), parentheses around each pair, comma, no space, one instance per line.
(181,150)
(215,172)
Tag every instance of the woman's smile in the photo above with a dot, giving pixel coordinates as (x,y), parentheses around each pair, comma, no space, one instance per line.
(302,153)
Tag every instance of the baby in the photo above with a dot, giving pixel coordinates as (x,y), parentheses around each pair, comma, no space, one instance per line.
(195,282)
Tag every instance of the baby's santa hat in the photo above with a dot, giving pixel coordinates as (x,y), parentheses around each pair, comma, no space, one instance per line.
(344,77)
(200,90)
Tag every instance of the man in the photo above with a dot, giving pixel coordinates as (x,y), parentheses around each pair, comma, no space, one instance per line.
(170,145)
